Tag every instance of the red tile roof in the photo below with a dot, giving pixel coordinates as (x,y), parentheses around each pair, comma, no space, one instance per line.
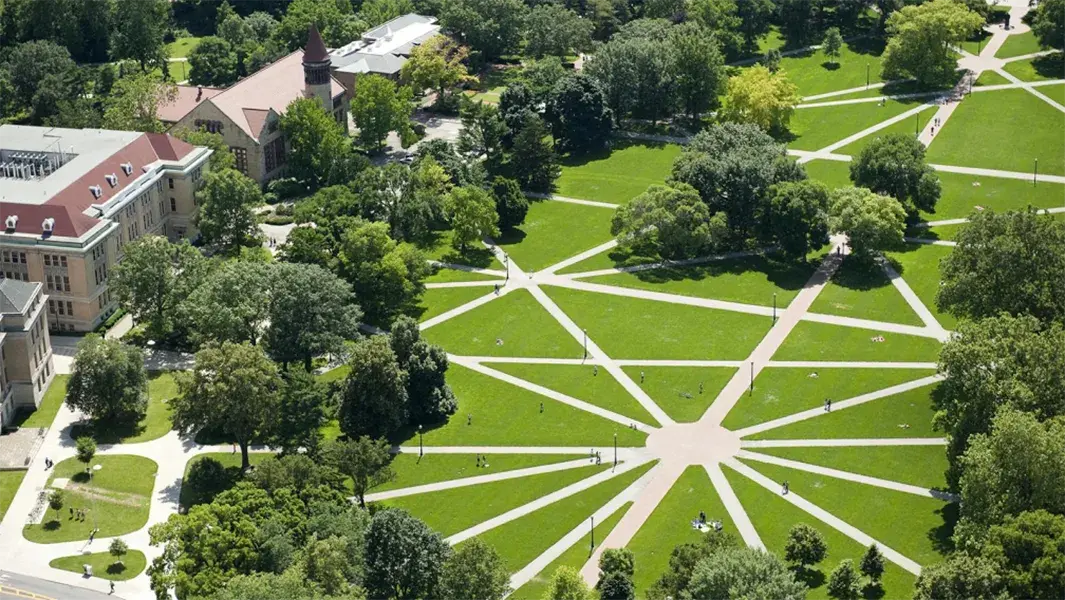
(188,97)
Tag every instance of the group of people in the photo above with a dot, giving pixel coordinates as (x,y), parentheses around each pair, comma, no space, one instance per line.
(482,461)
(701,523)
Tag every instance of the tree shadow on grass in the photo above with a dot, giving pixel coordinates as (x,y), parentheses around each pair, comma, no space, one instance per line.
(472,256)
(942,536)
(871,45)
(860,276)
(811,577)
(829,65)
(578,160)
(116,568)
(872,591)
(1051,66)
(106,433)
(788,276)
(52,525)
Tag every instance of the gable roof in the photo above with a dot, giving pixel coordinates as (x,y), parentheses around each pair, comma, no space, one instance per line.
(188,97)
(16,296)
(272,87)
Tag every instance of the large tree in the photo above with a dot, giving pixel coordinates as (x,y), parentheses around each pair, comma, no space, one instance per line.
(365,460)
(872,222)
(671,222)
(133,104)
(388,277)
(232,304)
(798,217)
(312,312)
(374,394)
(438,64)
(894,165)
(755,17)
(29,63)
(1006,262)
(699,68)
(320,151)
(430,399)
(212,62)
(304,406)
(566,583)
(378,108)
(511,203)
(483,131)
(404,557)
(225,218)
(553,30)
(410,199)
(475,570)
(334,19)
(636,74)
(154,277)
(580,119)
(744,573)
(1048,23)
(491,27)
(108,383)
(806,546)
(139,29)
(533,162)
(762,97)
(961,577)
(923,38)
(233,389)
(472,215)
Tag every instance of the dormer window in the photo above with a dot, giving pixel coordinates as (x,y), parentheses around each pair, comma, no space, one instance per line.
(11,222)
(48,225)
(112,179)
(96,190)
(127,168)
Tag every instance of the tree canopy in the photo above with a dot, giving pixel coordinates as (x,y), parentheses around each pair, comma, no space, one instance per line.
(923,38)
(108,383)
(671,222)
(762,97)
(225,218)
(872,222)
(894,165)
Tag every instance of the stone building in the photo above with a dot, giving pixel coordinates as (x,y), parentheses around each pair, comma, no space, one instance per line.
(25,348)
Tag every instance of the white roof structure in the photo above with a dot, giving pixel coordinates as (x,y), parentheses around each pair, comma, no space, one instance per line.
(384,49)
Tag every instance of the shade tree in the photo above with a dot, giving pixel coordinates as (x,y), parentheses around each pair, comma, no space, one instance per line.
(378,107)
(213,63)
(387,276)
(475,570)
(225,217)
(895,165)
(566,583)
(922,40)
(761,97)
(532,162)
(404,558)
(491,27)
(364,460)
(805,547)
(511,203)
(580,119)
(872,222)
(373,396)
(320,152)
(1048,23)
(430,399)
(108,382)
(742,572)
(232,304)
(554,30)
(668,221)
(844,583)
(699,69)
(797,217)
(438,64)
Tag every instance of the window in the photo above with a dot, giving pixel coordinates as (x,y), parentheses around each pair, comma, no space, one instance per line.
(51,306)
(241,156)
(211,126)
(173,204)
(275,154)
(66,283)
(70,308)
(47,260)
(63,261)
(170,182)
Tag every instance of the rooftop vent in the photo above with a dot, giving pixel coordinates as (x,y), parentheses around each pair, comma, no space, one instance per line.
(11,222)
(112,179)
(48,225)
(127,168)
(96,190)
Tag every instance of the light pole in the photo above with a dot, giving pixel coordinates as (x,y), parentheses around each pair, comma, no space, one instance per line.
(867,75)
(95,521)
(774,308)
(592,549)
(585,344)
(615,449)
(506,261)
(1035,172)
(421,448)
(751,391)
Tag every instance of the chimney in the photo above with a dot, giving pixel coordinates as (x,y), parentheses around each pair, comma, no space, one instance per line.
(199,92)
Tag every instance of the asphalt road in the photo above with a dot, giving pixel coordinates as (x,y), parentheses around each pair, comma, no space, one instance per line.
(13,585)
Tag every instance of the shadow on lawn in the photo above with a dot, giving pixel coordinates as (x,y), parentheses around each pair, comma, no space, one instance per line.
(811,577)
(941,536)
(474,257)
(579,160)
(1051,66)
(788,276)
(860,276)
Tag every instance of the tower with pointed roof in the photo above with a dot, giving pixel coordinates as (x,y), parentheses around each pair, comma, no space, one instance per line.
(316,63)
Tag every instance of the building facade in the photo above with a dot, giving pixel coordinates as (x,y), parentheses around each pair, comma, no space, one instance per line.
(71,199)
(25,348)
(248,114)
(382,50)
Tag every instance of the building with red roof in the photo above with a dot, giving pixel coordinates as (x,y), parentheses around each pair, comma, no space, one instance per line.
(70,199)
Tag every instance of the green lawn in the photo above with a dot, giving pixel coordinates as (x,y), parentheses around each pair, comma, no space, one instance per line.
(412,470)
(962,194)
(995,130)
(554,231)
(104,565)
(975,44)
(182,47)
(1019,45)
(916,526)
(939,232)
(445,275)
(335,374)
(506,415)
(772,517)
(815,74)
(864,291)
(156,422)
(517,319)
(437,301)
(904,415)
(910,126)
(582,382)
(619,175)
(820,341)
(9,482)
(670,525)
(833,173)
(53,399)
(919,266)
(437,246)
(782,391)
(611,259)
(990,78)
(458,509)
(816,128)
(1055,92)
(122,488)
(923,466)
(676,389)
(522,540)
(575,557)
(750,280)
(1041,68)
(645,329)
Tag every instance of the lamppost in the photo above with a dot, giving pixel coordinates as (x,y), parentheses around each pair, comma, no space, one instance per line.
(592,549)
(421,448)
(1035,172)
(774,308)
(92,479)
(615,449)
(751,391)
(506,261)
(867,75)
(585,344)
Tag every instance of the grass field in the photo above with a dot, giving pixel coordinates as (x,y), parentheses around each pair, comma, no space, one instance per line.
(859,62)
(990,78)
(445,275)
(924,466)
(772,517)
(670,525)
(676,389)
(909,126)
(820,341)
(865,292)
(517,319)
(436,301)
(962,194)
(1055,92)
(816,128)
(633,328)
(919,266)
(750,280)
(182,47)
(916,526)
(782,391)
(458,509)
(574,557)
(156,421)
(619,175)
(9,483)
(833,173)
(908,414)
(412,470)
(522,540)
(1041,68)
(583,383)
(104,565)
(995,130)
(506,415)
(437,246)
(1019,45)
(610,259)
(554,231)
(53,399)
(122,488)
